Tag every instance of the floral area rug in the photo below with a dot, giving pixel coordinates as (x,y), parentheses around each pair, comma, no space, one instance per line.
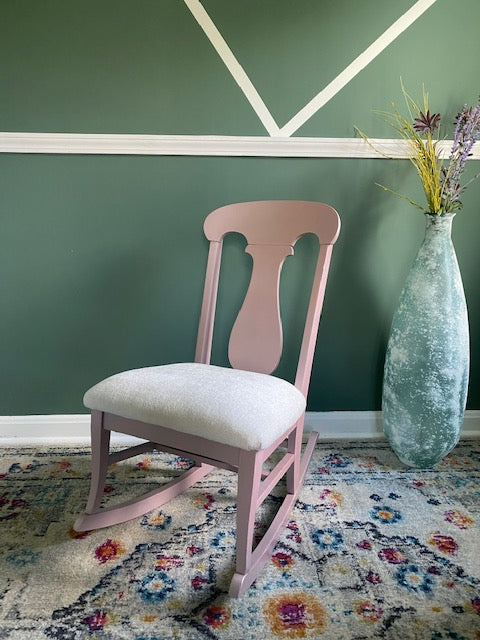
(372,550)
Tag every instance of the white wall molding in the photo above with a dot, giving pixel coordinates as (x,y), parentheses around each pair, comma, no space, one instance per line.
(75,429)
(178,145)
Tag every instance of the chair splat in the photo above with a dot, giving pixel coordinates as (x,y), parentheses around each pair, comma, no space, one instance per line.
(256,340)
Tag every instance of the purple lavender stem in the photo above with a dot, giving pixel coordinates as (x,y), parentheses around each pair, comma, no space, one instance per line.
(467,132)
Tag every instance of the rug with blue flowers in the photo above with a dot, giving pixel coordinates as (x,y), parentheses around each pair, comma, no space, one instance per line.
(372,550)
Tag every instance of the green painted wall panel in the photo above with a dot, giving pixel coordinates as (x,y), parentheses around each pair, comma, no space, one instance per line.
(114,66)
(101,256)
(145,66)
(100,261)
(439,51)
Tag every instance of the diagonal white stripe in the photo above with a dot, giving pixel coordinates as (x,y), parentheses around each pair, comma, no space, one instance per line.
(326,94)
(356,66)
(232,64)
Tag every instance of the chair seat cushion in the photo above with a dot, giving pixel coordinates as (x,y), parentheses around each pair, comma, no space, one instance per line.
(240,408)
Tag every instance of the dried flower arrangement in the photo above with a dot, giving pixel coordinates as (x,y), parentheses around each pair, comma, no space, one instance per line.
(440,179)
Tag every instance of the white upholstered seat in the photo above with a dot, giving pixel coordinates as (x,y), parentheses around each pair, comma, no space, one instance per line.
(239,408)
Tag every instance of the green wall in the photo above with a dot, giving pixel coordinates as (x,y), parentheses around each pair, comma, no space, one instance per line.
(101,256)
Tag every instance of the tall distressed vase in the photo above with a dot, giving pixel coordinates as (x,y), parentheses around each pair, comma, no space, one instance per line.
(427,361)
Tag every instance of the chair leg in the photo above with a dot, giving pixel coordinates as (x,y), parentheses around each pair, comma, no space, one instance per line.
(96,518)
(249,477)
(100,451)
(294,445)
(249,564)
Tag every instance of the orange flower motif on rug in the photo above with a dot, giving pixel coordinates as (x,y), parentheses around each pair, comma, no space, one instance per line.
(216,616)
(109,550)
(445,544)
(282,560)
(332,498)
(165,562)
(204,500)
(295,615)
(368,611)
(61,465)
(458,518)
(146,463)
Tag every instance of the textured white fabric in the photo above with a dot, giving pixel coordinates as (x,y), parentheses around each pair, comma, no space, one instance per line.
(240,408)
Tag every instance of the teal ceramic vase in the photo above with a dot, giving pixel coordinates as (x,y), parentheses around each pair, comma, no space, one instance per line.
(427,361)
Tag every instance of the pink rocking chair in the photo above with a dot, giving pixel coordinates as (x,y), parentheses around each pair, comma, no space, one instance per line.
(232,418)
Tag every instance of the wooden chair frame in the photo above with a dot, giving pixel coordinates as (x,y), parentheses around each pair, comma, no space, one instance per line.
(271,229)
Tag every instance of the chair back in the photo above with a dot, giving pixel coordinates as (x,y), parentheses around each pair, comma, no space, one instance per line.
(271,228)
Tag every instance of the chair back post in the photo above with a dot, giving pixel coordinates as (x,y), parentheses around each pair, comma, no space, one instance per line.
(309,340)
(209,302)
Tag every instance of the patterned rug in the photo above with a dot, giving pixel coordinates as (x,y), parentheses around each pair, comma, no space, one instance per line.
(372,550)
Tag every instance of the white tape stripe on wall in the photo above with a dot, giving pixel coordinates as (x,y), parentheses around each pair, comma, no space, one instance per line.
(326,94)
(356,66)
(232,64)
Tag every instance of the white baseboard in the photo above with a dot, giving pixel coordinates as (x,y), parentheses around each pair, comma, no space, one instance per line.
(367,425)
(75,429)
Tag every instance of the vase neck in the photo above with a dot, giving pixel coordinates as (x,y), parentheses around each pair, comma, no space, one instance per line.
(436,224)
